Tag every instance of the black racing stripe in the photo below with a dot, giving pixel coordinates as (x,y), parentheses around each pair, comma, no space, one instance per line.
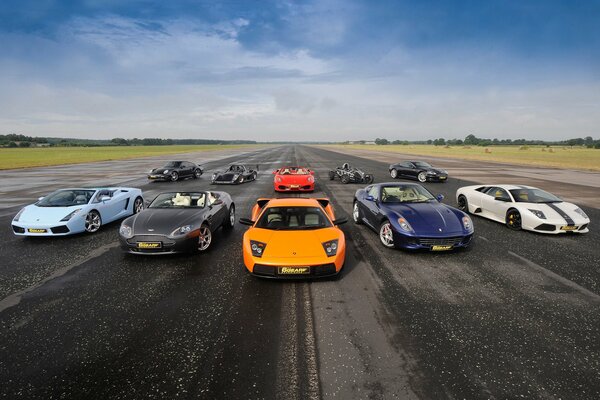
(563,214)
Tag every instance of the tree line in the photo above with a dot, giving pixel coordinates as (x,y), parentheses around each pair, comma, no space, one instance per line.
(472,140)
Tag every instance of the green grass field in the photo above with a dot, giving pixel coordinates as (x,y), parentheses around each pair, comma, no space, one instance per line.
(555,156)
(47,156)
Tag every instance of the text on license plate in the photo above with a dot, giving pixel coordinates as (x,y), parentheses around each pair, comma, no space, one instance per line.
(149,245)
(441,248)
(568,228)
(37,230)
(294,270)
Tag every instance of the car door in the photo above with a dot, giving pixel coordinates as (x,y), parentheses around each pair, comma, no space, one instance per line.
(371,207)
(112,208)
(496,203)
(217,210)
(404,169)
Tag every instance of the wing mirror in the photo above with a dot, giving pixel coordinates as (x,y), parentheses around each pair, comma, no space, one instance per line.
(311,171)
(40,198)
(104,198)
(274,172)
(340,221)
(217,202)
(246,221)
(439,197)
(370,198)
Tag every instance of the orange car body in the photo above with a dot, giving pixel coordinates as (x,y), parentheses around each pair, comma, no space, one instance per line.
(290,253)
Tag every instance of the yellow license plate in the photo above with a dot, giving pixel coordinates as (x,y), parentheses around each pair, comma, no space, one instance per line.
(149,245)
(36,230)
(568,228)
(294,270)
(294,186)
(441,248)
(442,177)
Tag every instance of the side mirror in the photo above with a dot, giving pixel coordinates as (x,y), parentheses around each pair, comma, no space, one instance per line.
(340,221)
(217,202)
(439,197)
(104,198)
(246,221)
(370,198)
(40,198)
(311,171)
(274,172)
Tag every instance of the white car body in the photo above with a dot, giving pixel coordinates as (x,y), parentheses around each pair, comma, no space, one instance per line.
(559,217)
(111,203)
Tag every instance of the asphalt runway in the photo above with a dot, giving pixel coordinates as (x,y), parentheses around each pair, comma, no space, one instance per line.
(514,316)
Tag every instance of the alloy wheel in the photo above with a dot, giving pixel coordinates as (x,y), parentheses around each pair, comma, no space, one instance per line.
(205,238)
(92,221)
(386,235)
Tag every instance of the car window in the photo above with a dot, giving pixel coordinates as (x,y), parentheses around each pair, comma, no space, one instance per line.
(534,196)
(405,194)
(422,164)
(373,192)
(179,200)
(293,218)
(500,193)
(66,198)
(406,164)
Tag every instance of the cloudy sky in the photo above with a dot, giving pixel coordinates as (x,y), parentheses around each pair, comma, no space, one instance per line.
(300,70)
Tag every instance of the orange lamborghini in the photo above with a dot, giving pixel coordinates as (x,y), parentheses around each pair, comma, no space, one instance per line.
(293,238)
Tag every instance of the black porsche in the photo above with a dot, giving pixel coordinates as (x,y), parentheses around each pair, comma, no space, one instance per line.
(418,170)
(174,170)
(235,174)
(177,222)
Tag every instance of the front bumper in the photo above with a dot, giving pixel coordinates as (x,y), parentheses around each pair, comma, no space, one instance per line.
(293,188)
(437,178)
(290,268)
(556,229)
(159,244)
(439,243)
(224,182)
(58,229)
(159,177)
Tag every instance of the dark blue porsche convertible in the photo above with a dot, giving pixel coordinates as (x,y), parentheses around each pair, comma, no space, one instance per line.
(408,216)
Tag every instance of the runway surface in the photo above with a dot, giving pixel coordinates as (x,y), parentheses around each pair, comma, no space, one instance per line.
(514,316)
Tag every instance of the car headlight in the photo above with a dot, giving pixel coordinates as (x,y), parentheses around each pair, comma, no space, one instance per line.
(467,223)
(236,176)
(182,230)
(311,179)
(431,173)
(16,218)
(68,217)
(214,176)
(166,171)
(278,179)
(577,210)
(331,247)
(151,171)
(258,248)
(125,231)
(538,213)
(404,225)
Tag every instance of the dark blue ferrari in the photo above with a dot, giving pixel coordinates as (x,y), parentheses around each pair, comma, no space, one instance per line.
(408,216)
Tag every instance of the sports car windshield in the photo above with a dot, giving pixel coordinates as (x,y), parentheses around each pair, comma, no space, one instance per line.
(66,198)
(293,218)
(293,171)
(172,164)
(533,196)
(179,200)
(421,164)
(405,194)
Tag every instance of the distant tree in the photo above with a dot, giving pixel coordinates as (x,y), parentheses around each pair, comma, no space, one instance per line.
(471,140)
(588,141)
(24,144)
(429,141)
(119,141)
(12,144)
(439,142)
(381,141)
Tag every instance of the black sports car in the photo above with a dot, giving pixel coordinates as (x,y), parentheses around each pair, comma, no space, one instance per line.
(177,222)
(173,170)
(419,170)
(235,174)
(347,174)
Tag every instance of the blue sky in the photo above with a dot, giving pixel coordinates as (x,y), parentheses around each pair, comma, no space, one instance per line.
(303,70)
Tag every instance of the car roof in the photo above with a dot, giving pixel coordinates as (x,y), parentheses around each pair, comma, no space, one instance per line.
(396,184)
(293,202)
(511,187)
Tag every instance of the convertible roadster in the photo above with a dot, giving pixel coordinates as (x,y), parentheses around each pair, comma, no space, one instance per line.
(235,174)
(523,207)
(177,222)
(410,217)
(293,238)
(174,170)
(418,170)
(348,174)
(69,211)
(294,179)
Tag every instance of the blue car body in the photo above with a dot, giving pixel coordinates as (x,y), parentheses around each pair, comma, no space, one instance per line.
(432,224)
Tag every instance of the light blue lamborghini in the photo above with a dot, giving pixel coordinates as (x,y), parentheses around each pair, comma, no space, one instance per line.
(69,211)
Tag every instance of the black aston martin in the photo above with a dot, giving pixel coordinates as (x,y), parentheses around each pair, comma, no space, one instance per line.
(419,170)
(235,174)
(174,170)
(177,222)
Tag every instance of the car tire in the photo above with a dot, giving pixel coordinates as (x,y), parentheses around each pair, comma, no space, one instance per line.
(356,216)
(394,173)
(230,220)
(422,177)
(513,219)
(240,179)
(369,179)
(331,175)
(174,176)
(254,175)
(204,238)
(93,221)
(386,234)
(138,205)
(463,204)
(344,179)
(197,173)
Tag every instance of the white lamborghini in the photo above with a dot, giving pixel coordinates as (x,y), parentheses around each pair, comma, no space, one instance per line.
(523,207)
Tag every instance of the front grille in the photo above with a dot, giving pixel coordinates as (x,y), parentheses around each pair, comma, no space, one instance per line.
(315,270)
(151,238)
(451,241)
(60,229)
(545,227)
(18,229)
(582,227)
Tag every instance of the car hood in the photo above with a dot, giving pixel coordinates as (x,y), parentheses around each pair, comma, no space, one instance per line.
(33,213)
(436,170)
(293,179)
(284,244)
(430,218)
(163,220)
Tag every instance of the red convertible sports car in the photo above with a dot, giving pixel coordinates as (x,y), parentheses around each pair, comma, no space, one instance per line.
(294,179)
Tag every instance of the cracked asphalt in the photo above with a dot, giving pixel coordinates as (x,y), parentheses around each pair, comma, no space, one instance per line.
(514,316)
